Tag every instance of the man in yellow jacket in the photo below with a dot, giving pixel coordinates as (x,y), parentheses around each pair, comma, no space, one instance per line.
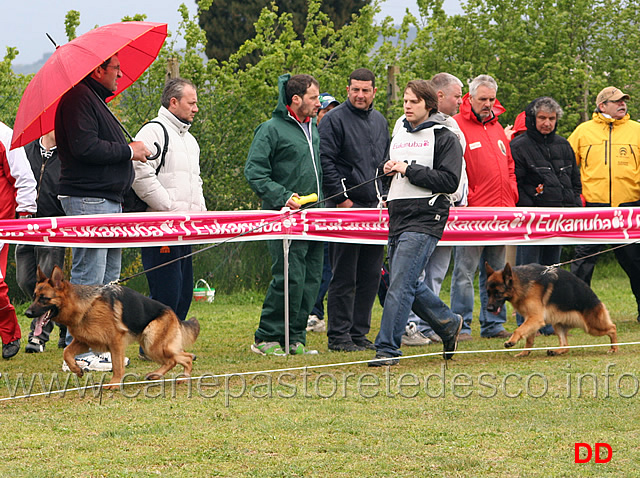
(607,151)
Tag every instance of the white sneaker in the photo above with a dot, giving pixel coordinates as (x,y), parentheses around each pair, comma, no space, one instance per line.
(94,363)
(413,337)
(315,324)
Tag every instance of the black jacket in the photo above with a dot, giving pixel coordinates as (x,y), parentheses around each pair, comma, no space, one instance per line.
(46,171)
(546,169)
(352,144)
(94,155)
(426,215)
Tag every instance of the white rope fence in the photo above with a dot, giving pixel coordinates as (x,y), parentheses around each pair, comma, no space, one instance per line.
(305,368)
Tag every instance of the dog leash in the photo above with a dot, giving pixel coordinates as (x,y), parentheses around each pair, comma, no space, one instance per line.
(552,267)
(249,231)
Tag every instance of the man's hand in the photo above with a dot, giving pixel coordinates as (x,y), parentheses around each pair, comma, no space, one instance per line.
(508,131)
(346,204)
(140,151)
(291,204)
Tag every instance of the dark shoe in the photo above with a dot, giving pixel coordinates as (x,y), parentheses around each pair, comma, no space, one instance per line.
(383,361)
(451,344)
(365,343)
(464,337)
(346,347)
(503,334)
(10,349)
(34,346)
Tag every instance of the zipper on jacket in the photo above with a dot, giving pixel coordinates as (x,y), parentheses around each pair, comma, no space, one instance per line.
(607,151)
(635,160)
(310,143)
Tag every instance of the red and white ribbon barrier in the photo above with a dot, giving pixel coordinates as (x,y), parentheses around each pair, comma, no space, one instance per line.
(466,226)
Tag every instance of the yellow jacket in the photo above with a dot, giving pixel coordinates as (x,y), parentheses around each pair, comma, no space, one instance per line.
(608,154)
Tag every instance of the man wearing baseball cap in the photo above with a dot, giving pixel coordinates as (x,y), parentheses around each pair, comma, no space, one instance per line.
(607,149)
(327,103)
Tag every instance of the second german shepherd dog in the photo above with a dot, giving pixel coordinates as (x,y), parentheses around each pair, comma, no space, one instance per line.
(548,295)
(109,318)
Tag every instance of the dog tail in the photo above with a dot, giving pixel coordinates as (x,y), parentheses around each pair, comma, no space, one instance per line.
(190,332)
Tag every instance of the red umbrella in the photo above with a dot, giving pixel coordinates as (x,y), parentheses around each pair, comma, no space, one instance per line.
(137,45)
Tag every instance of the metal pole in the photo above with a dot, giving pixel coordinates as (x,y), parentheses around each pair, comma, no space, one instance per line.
(285,246)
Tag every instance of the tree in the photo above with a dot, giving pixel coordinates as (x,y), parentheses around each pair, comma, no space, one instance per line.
(228,23)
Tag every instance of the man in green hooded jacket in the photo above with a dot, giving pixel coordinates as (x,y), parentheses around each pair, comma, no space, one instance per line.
(283,164)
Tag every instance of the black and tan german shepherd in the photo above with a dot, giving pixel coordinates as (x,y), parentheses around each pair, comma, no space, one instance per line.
(109,318)
(546,295)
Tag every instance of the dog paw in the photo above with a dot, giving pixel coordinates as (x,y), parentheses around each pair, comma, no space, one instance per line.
(524,353)
(551,353)
(508,344)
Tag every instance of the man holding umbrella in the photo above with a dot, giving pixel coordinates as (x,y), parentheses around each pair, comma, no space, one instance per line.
(68,93)
(96,168)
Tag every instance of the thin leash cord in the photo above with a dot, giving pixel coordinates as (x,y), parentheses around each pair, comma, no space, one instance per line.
(322,201)
(249,231)
(559,264)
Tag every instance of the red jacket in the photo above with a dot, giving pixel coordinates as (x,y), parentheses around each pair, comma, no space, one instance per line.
(490,167)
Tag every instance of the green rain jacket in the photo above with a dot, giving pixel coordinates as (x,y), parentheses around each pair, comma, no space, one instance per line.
(282,160)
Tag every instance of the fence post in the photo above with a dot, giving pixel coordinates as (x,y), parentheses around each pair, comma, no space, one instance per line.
(173,69)
(392,84)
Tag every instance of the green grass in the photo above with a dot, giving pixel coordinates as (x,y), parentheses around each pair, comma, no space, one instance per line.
(522,420)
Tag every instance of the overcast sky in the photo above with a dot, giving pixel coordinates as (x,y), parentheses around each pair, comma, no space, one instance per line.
(23,23)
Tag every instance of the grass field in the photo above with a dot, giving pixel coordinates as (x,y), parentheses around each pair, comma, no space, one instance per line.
(487,414)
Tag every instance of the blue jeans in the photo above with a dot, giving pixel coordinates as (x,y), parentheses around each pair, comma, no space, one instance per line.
(434,273)
(538,254)
(408,256)
(92,266)
(468,259)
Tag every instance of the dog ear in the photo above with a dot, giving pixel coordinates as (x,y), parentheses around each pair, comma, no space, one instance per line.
(40,275)
(57,276)
(507,275)
(488,268)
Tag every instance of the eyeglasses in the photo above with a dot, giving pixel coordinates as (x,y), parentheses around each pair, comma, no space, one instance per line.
(115,67)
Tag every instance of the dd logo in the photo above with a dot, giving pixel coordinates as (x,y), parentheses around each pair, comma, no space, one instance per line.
(597,456)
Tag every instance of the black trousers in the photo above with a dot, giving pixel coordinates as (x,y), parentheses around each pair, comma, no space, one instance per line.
(352,290)
(628,257)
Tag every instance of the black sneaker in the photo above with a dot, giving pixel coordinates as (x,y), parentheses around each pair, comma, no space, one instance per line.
(364,343)
(35,346)
(10,349)
(346,347)
(383,361)
(451,344)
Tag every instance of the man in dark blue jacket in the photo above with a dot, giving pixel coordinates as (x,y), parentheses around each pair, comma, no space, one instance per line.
(354,138)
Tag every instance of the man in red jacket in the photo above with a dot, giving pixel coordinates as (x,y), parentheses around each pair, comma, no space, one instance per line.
(492,183)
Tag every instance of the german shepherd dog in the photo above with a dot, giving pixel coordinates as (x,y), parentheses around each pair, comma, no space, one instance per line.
(109,318)
(548,295)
